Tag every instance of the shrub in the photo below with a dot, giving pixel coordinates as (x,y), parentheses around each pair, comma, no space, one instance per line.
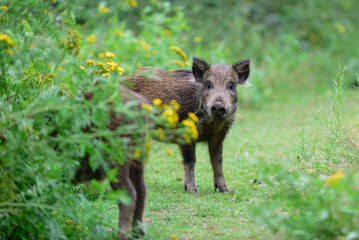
(48,124)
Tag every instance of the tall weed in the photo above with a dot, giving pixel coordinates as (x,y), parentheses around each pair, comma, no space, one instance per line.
(308,203)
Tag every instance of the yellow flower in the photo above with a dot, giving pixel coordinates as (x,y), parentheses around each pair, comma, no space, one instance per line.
(197,39)
(179,63)
(340,28)
(172,119)
(91,39)
(3,8)
(105,70)
(157,102)
(112,64)
(171,116)
(167,32)
(120,70)
(173,236)
(110,55)
(120,33)
(180,52)
(106,75)
(101,65)
(335,178)
(193,117)
(192,129)
(186,138)
(147,107)
(160,133)
(145,46)
(175,105)
(131,3)
(90,62)
(6,38)
(8,51)
(82,67)
(62,85)
(168,112)
(101,55)
(103,9)
(169,151)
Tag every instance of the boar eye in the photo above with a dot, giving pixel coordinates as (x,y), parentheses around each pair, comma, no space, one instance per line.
(208,85)
(231,86)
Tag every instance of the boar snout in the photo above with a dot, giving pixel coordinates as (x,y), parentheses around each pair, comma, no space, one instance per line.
(218,110)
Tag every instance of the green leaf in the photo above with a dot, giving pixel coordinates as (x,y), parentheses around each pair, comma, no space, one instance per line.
(120,196)
(112,175)
(96,185)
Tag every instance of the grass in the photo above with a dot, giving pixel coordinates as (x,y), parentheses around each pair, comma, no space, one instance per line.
(265,136)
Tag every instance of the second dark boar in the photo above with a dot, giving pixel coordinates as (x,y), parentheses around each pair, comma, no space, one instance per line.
(210,93)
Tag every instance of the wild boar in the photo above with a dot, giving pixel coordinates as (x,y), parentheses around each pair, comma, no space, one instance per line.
(207,90)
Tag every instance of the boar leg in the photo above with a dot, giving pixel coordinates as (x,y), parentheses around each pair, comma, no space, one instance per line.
(126,211)
(137,178)
(189,163)
(215,153)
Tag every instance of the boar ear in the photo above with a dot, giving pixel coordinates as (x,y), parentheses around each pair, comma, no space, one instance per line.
(242,70)
(199,67)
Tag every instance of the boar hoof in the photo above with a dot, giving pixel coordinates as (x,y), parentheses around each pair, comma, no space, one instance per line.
(222,189)
(190,189)
(123,237)
(194,191)
(140,229)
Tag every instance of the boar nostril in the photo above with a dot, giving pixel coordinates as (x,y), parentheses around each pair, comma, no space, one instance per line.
(221,111)
(218,110)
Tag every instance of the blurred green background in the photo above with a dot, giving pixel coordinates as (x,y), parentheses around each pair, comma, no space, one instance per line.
(292,44)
